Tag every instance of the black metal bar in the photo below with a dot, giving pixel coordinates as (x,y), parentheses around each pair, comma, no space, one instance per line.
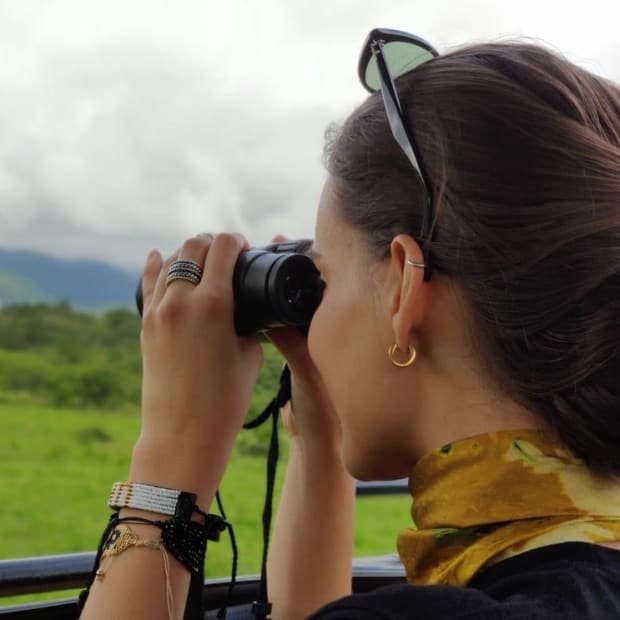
(63,572)
(45,574)
(365,578)
(64,609)
(383,487)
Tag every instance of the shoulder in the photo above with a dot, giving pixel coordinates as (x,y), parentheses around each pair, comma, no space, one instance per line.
(568,582)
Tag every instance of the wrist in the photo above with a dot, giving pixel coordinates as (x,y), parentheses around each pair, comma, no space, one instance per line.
(314,446)
(172,465)
(318,458)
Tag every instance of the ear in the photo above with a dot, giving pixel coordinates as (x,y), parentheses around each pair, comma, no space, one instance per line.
(408,290)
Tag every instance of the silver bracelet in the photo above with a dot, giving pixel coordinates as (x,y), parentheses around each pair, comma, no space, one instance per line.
(146,497)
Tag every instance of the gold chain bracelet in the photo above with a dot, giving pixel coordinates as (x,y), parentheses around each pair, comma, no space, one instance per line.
(122,538)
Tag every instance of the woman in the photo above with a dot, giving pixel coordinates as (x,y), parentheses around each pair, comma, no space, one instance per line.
(479,357)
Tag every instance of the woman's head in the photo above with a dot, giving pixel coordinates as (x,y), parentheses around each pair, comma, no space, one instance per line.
(522,150)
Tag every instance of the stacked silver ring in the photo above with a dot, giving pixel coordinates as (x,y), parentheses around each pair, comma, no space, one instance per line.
(184,270)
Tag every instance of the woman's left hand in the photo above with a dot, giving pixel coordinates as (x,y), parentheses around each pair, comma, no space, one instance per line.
(198,375)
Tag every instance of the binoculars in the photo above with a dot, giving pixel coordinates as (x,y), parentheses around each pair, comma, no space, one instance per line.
(273,286)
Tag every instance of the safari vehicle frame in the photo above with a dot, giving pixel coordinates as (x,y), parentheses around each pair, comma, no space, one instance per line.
(70,571)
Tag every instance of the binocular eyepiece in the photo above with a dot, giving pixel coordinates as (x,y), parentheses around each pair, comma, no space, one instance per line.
(273,286)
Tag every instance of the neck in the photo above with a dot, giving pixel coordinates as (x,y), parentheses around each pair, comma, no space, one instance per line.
(455,394)
(455,409)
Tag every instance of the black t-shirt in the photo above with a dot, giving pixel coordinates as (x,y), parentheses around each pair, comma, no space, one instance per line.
(570,581)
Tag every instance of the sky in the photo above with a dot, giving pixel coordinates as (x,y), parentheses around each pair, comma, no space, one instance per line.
(127,125)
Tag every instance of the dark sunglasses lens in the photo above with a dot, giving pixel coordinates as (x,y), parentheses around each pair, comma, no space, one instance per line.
(400,57)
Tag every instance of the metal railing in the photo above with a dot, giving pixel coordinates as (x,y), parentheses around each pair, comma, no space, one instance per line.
(69,571)
(384,487)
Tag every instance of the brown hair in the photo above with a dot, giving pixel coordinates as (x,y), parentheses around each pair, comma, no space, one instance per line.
(522,149)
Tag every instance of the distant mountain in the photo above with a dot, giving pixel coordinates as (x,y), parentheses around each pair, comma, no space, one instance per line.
(14,289)
(29,277)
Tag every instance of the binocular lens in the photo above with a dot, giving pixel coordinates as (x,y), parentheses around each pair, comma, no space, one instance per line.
(272,286)
(273,289)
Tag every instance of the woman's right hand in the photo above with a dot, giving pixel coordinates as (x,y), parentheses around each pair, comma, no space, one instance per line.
(310,414)
(317,490)
(198,374)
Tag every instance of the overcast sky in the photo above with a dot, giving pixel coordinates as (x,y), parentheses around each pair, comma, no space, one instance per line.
(131,124)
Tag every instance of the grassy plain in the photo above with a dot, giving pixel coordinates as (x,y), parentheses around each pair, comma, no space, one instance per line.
(57,466)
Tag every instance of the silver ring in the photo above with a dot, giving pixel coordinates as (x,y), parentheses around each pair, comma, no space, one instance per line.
(187,270)
(416,264)
(185,265)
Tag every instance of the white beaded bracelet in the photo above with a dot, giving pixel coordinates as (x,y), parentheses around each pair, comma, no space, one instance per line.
(144,497)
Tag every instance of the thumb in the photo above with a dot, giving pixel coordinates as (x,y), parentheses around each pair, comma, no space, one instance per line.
(293,345)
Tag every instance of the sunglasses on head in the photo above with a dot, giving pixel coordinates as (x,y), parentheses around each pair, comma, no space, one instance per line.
(386,55)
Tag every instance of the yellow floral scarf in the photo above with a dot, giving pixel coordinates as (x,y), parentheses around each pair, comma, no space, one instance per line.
(489,497)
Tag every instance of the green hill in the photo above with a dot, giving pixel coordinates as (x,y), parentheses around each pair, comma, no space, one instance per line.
(87,284)
(16,289)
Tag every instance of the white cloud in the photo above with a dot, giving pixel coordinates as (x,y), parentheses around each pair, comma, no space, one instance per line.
(130,124)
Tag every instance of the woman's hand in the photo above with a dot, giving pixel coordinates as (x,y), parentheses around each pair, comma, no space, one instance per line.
(317,490)
(310,415)
(198,375)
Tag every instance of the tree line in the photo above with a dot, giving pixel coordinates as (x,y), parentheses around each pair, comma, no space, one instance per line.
(55,355)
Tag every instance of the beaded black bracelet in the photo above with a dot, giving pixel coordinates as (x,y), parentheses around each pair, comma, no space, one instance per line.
(185,539)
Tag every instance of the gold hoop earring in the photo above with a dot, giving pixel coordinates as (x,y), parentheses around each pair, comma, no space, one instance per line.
(412,355)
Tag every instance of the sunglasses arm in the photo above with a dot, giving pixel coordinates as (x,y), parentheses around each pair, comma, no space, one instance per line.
(392,106)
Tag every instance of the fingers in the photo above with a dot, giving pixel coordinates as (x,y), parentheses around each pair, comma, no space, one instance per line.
(160,285)
(279,238)
(149,277)
(216,255)
(220,263)
(194,249)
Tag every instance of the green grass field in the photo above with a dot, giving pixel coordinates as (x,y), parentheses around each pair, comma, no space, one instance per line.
(57,466)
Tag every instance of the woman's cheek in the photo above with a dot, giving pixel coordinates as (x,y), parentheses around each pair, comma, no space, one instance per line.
(316,333)
(313,331)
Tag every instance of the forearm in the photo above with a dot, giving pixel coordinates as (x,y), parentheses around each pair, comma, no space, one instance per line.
(134,585)
(310,554)
(197,383)
(136,582)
